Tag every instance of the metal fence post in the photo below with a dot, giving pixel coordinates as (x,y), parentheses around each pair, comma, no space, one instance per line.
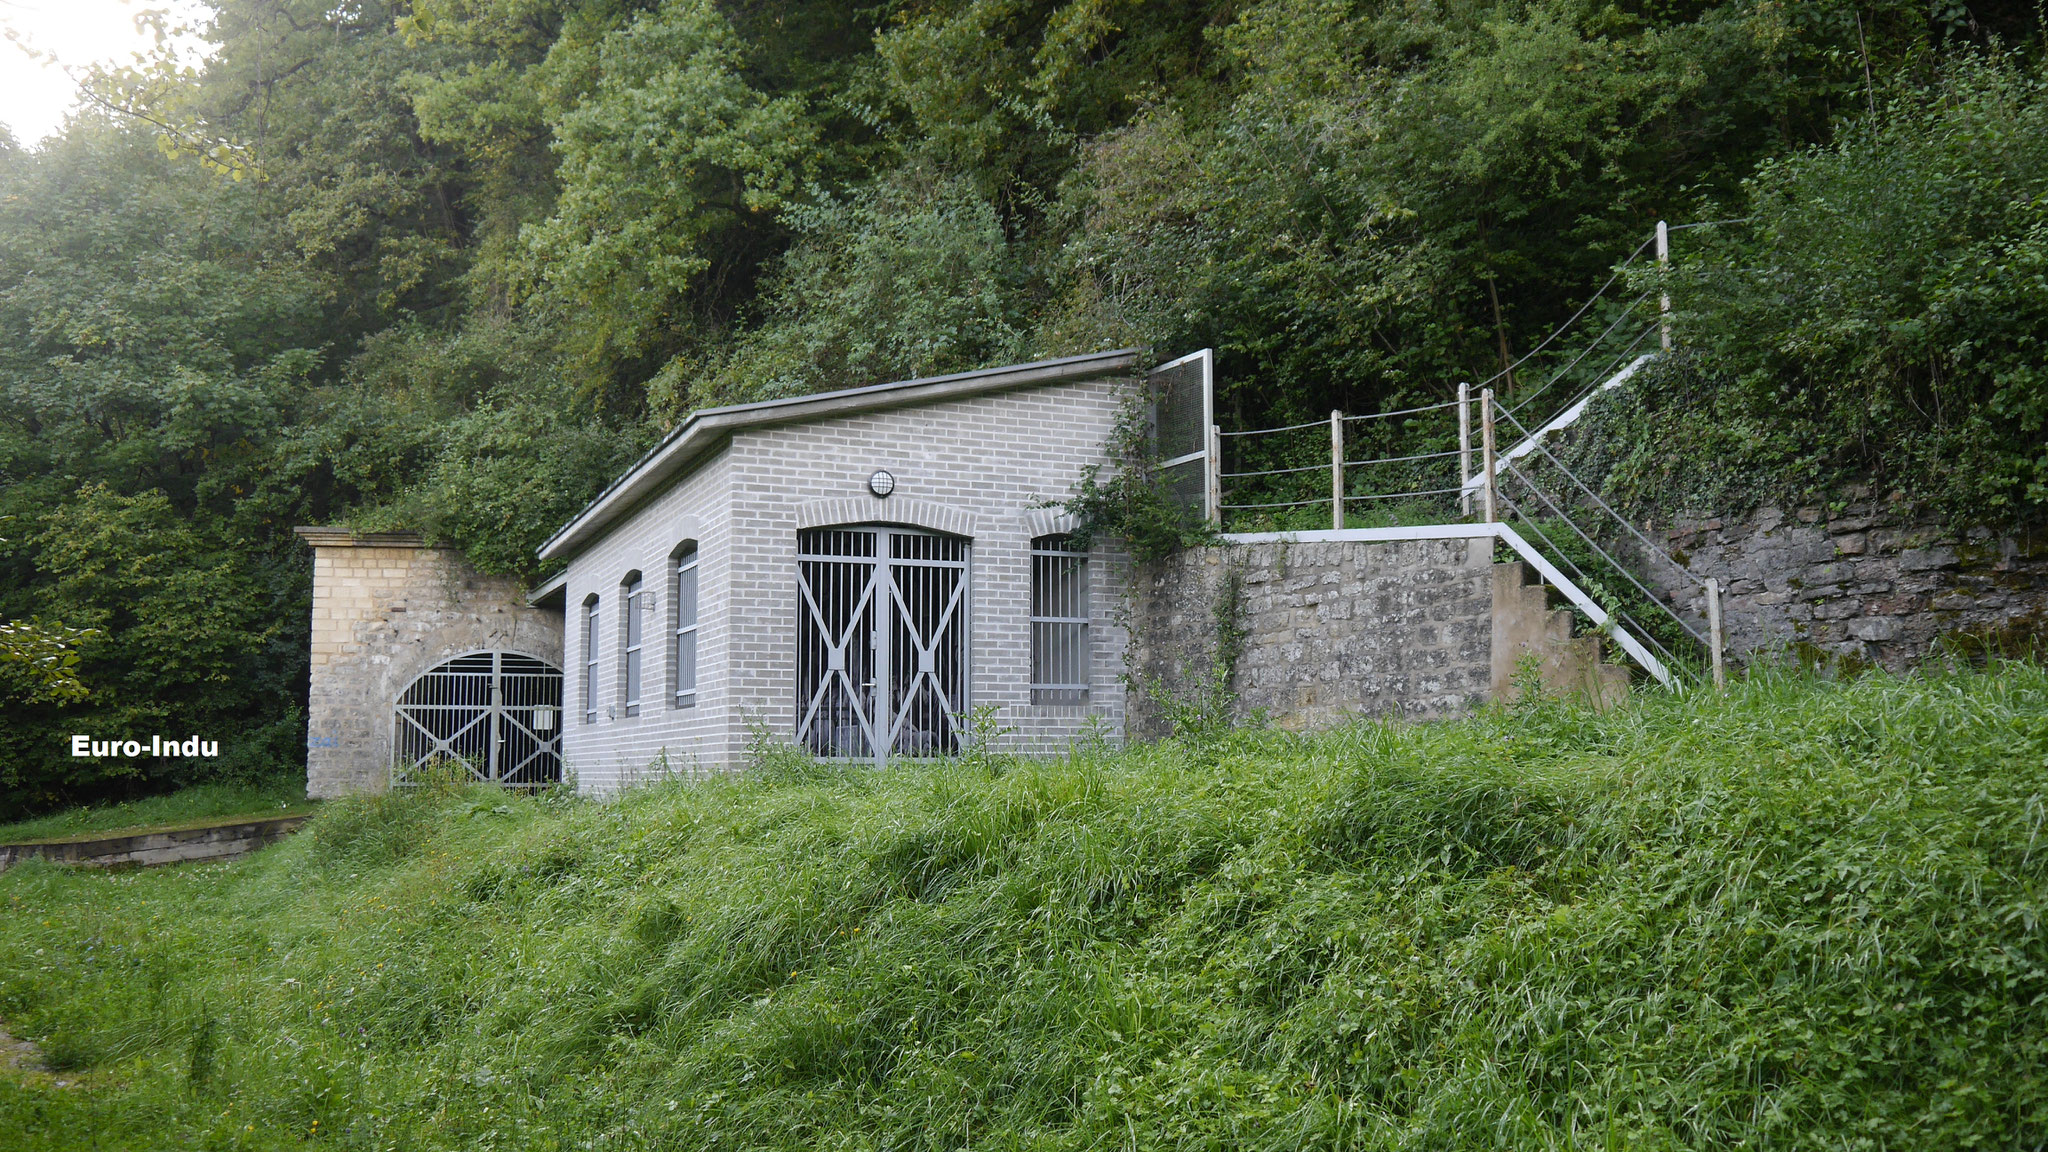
(1714,639)
(1464,446)
(1212,487)
(1663,297)
(1336,469)
(1489,497)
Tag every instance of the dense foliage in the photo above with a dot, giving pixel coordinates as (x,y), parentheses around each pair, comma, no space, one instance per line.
(449,264)
(1800,915)
(1880,320)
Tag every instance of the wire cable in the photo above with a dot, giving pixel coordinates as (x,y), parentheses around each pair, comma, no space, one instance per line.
(1595,546)
(1403,412)
(1547,340)
(1402,495)
(1618,518)
(1275,471)
(1399,459)
(1285,504)
(1636,626)
(1588,351)
(1708,223)
(1288,428)
(1608,372)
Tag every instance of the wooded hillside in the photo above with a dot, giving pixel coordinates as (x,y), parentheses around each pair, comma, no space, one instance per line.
(450,265)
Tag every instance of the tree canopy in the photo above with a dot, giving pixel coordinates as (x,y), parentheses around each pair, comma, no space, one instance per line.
(450,264)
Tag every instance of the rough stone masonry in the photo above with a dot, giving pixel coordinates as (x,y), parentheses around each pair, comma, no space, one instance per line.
(1868,582)
(1326,630)
(387,608)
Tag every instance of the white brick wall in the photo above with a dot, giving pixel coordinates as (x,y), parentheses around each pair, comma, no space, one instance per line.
(984,467)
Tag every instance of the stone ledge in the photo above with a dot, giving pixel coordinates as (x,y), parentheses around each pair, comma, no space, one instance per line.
(151,846)
(336,537)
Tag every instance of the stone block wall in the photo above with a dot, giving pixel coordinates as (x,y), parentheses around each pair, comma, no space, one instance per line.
(387,608)
(1329,629)
(201,842)
(1869,584)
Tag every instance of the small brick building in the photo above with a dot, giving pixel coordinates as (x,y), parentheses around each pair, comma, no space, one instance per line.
(856,572)
(852,571)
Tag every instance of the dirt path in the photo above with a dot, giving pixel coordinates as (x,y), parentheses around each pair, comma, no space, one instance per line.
(23,1060)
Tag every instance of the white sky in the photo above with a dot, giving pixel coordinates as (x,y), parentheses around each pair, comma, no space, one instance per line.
(35,95)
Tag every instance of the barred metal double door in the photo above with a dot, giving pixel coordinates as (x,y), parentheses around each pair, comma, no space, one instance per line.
(881,642)
(496,713)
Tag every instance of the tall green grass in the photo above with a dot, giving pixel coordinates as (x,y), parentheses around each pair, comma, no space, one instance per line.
(1802,915)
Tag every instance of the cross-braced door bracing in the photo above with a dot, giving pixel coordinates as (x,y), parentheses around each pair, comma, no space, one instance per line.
(881,642)
(499,714)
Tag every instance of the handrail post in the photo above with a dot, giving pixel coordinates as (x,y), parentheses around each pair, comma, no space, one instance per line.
(1663,296)
(1212,488)
(1464,446)
(1714,638)
(1337,469)
(1489,497)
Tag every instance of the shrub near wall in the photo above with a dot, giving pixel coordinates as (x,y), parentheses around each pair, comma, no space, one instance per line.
(1801,915)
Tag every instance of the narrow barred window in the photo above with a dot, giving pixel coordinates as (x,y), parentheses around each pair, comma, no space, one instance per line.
(685,592)
(1059,621)
(636,602)
(590,617)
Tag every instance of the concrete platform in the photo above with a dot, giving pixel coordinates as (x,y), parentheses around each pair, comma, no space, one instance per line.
(146,847)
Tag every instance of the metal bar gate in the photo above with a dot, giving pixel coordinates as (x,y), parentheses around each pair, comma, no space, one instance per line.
(881,642)
(496,713)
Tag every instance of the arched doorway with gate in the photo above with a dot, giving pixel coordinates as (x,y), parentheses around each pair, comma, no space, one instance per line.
(498,714)
(882,653)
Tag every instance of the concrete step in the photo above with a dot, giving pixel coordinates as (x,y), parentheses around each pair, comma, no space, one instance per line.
(1526,625)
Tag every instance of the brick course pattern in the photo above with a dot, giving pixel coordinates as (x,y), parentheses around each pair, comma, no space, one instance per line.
(1869,584)
(990,467)
(1331,629)
(386,609)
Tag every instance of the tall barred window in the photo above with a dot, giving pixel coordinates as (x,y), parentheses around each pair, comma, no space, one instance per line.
(1059,621)
(590,625)
(632,629)
(684,591)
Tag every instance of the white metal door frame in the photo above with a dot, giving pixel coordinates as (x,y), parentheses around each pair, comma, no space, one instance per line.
(497,713)
(883,640)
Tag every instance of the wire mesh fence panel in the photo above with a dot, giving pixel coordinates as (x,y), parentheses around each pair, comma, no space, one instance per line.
(496,714)
(1180,406)
(1183,400)
(1184,483)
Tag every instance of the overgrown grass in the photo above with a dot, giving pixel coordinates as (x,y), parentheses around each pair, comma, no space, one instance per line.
(199,802)
(1802,915)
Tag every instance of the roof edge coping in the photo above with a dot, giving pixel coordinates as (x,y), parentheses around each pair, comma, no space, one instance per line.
(681,444)
(329,536)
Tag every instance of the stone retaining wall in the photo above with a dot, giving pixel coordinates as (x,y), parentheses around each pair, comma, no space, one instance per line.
(158,846)
(1329,630)
(1869,583)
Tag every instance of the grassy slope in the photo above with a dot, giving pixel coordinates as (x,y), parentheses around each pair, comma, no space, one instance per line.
(201,802)
(1803,915)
